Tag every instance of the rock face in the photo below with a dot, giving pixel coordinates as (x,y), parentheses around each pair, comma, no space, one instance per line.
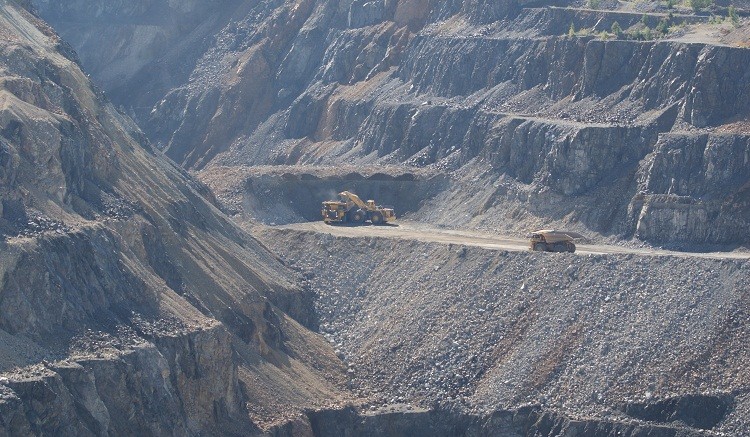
(494,92)
(684,182)
(128,301)
(515,423)
(152,44)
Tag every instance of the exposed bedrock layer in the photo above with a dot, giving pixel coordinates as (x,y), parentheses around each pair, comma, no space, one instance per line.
(522,422)
(492,90)
(683,186)
(128,302)
(176,384)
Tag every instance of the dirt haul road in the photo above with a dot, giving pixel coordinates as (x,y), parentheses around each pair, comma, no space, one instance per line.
(406,230)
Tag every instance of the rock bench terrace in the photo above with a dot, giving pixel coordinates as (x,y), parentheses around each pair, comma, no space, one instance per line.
(164,269)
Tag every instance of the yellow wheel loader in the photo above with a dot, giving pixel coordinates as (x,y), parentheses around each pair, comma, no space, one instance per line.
(351,209)
(550,240)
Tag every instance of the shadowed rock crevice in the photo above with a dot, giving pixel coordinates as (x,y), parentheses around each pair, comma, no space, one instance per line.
(697,411)
(526,421)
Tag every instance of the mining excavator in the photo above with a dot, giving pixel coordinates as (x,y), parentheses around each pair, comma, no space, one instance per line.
(351,209)
(550,240)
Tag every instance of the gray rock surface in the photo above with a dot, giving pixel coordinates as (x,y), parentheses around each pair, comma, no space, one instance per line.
(594,337)
(120,274)
(682,186)
(463,87)
(129,304)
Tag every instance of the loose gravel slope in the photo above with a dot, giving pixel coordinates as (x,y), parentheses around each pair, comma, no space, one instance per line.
(589,335)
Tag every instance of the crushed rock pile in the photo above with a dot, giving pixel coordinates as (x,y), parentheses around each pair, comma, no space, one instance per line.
(478,330)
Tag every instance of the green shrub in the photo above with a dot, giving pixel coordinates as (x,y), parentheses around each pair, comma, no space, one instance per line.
(663,27)
(572,31)
(732,14)
(595,4)
(616,29)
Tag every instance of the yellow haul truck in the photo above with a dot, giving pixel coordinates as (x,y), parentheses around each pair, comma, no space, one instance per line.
(550,240)
(351,209)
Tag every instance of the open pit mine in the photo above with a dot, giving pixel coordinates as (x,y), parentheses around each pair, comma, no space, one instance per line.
(166,270)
